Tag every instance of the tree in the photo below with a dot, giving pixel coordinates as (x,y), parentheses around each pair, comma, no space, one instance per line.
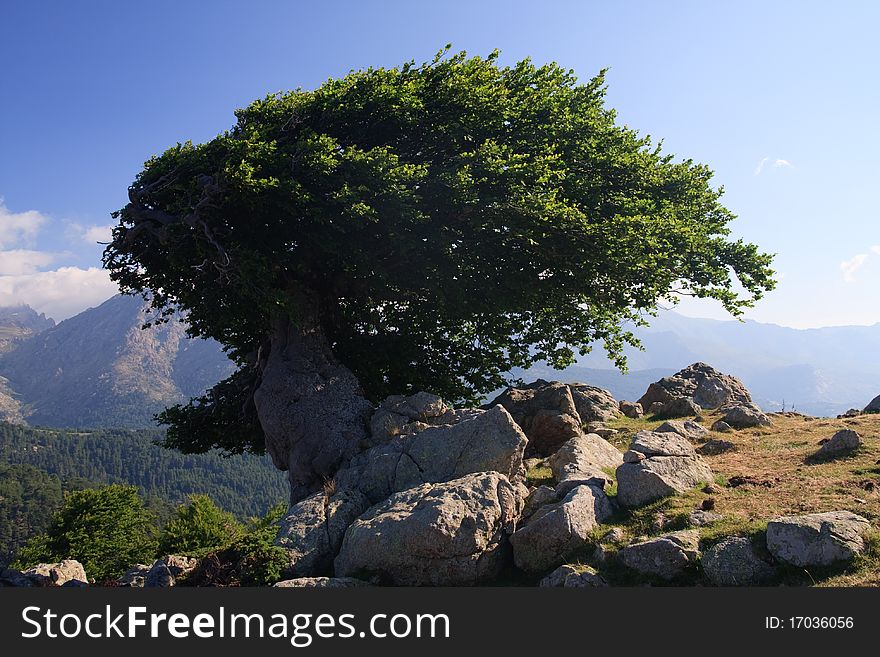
(425,227)
(106,529)
(197,528)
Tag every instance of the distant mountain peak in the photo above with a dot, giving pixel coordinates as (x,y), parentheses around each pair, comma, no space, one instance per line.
(100,368)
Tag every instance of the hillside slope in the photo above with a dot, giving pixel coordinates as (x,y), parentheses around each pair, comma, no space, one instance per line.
(100,369)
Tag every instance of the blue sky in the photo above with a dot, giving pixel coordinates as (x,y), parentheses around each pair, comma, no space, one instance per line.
(779,98)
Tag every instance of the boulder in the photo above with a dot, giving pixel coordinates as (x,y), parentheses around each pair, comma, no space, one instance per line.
(557,530)
(312,531)
(57,574)
(320,583)
(488,441)
(734,562)
(744,416)
(842,443)
(442,534)
(693,431)
(401,415)
(873,406)
(817,539)
(134,577)
(537,498)
(631,409)
(721,426)
(584,458)
(675,407)
(665,557)
(706,386)
(716,446)
(166,571)
(547,413)
(658,465)
(593,404)
(573,577)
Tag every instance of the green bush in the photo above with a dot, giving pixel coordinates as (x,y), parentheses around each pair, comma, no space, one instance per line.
(107,529)
(197,528)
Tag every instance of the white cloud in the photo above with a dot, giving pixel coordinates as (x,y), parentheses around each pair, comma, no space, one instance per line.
(17,262)
(60,293)
(18,227)
(851,266)
(777,163)
(760,166)
(98,233)
(876,249)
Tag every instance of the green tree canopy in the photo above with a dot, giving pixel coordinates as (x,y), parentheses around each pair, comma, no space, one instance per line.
(107,529)
(438,224)
(197,528)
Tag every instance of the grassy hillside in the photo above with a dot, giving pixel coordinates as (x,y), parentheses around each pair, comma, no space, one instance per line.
(768,475)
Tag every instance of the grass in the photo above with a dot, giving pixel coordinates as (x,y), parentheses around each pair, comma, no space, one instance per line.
(781,480)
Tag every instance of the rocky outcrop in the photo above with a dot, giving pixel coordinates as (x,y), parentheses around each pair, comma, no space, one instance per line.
(555,531)
(311,532)
(744,416)
(873,406)
(665,557)
(704,385)
(658,465)
(842,443)
(165,572)
(451,533)
(552,413)
(134,577)
(57,574)
(593,404)
(488,441)
(320,583)
(734,562)
(584,459)
(817,539)
(573,577)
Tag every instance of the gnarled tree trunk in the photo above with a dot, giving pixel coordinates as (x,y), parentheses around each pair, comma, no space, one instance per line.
(310,406)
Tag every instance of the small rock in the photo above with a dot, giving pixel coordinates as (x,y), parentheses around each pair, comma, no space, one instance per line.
(631,409)
(841,443)
(721,426)
(570,577)
(715,447)
(320,583)
(744,416)
(665,557)
(708,504)
(135,576)
(689,429)
(701,518)
(537,498)
(734,562)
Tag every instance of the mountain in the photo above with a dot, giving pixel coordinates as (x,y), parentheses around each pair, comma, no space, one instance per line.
(17,323)
(100,369)
(821,371)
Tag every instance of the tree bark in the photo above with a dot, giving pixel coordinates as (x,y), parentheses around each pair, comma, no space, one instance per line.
(310,406)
